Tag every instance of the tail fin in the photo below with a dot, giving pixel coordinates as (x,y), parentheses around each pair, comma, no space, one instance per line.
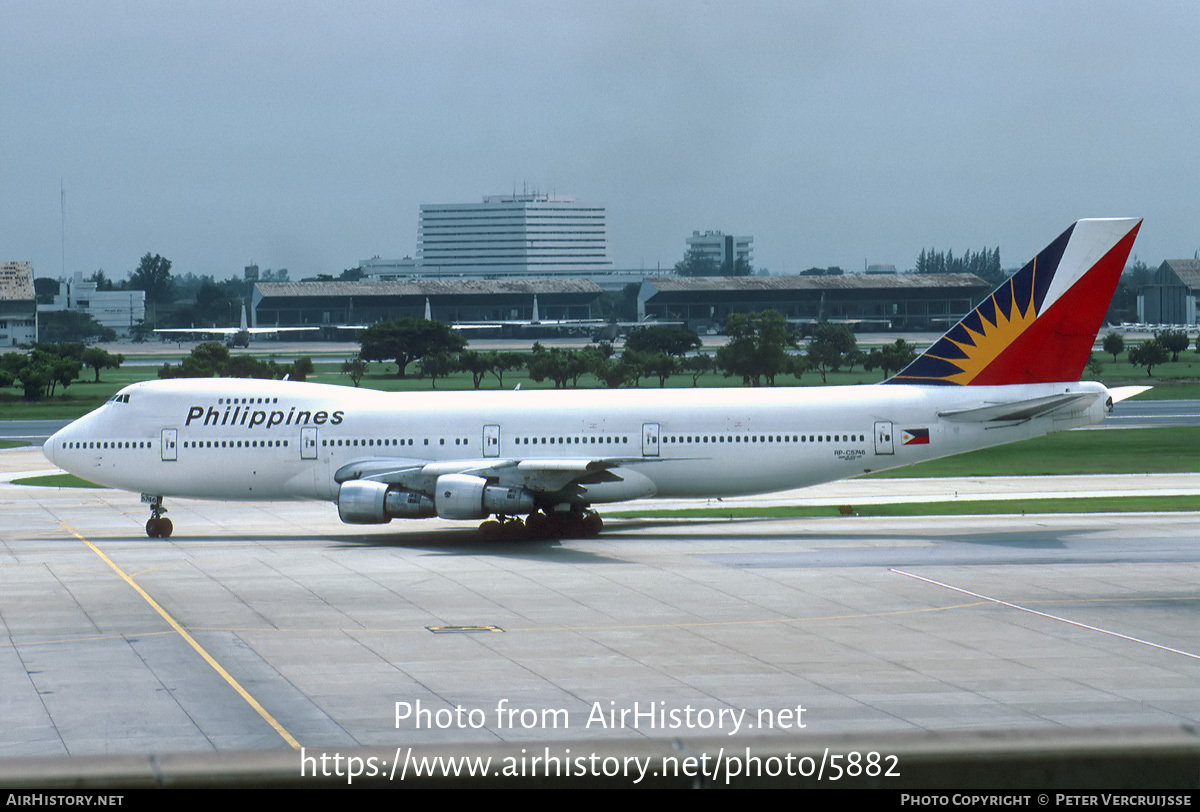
(1040,325)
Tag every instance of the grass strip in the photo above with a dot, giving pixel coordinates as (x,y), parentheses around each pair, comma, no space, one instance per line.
(960,507)
(1162,450)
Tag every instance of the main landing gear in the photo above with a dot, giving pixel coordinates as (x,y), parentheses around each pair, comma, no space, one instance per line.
(578,522)
(159,526)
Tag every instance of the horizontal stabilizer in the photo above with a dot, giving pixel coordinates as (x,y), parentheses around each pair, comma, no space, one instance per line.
(1120,393)
(1021,409)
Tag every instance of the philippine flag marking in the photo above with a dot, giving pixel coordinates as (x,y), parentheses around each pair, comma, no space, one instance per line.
(915,437)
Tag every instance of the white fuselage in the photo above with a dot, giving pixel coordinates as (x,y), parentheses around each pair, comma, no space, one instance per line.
(225,438)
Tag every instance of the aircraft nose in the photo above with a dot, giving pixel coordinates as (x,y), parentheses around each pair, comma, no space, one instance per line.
(51,446)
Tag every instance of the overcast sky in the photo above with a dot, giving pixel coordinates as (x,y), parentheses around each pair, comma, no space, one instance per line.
(306,135)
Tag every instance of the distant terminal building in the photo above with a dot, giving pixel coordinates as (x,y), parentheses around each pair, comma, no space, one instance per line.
(306,304)
(381,269)
(119,310)
(1170,298)
(869,302)
(881,267)
(18,304)
(724,249)
(518,235)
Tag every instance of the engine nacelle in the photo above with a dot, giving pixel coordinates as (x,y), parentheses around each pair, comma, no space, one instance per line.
(364,501)
(464,496)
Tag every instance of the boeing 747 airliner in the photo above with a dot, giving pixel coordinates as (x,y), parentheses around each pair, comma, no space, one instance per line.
(539,461)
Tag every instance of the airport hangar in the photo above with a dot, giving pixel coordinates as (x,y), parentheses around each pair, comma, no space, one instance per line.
(1171,296)
(307,304)
(869,301)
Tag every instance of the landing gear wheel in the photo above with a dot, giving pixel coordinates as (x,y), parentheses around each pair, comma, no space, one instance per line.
(512,529)
(503,528)
(592,524)
(158,526)
(538,525)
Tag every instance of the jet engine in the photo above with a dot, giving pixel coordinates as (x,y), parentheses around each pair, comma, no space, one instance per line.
(364,501)
(463,496)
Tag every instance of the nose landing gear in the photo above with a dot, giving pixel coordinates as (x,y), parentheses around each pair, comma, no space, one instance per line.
(159,526)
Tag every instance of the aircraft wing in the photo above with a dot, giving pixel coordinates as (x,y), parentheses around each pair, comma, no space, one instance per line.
(540,475)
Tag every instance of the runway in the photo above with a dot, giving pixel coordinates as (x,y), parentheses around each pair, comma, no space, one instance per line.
(115,643)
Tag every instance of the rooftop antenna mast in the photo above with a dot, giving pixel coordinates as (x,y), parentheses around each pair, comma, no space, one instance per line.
(62,214)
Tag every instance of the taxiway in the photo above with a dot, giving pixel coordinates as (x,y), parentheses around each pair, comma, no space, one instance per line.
(260,625)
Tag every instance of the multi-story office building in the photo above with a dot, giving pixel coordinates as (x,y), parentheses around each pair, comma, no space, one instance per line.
(119,310)
(724,249)
(18,304)
(518,235)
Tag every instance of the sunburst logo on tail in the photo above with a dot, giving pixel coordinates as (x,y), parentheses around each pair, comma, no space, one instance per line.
(982,340)
(1040,324)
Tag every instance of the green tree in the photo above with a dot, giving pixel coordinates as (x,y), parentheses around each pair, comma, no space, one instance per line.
(1114,345)
(356,368)
(301,368)
(72,325)
(562,366)
(102,281)
(1149,354)
(434,365)
(739,267)
(662,366)
(46,289)
(505,362)
(758,347)
(671,339)
(548,364)
(205,360)
(698,366)
(798,365)
(890,358)
(1173,341)
(614,373)
(407,340)
(98,359)
(35,376)
(477,363)
(246,366)
(829,347)
(696,263)
(153,275)
(44,368)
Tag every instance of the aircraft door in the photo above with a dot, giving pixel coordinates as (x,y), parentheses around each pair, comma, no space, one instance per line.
(649,439)
(170,438)
(883,437)
(308,444)
(491,440)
